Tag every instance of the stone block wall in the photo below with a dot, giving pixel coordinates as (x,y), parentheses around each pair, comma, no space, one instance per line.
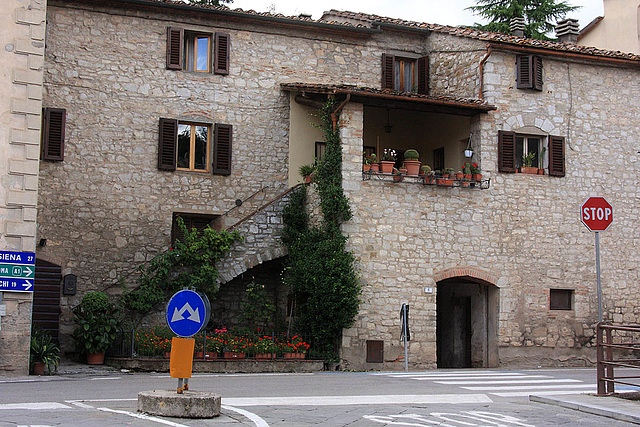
(22,57)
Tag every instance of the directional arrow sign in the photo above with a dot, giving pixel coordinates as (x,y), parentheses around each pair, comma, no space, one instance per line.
(188,313)
(17,271)
(16,285)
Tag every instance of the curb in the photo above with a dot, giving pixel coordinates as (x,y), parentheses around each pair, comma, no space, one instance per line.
(601,410)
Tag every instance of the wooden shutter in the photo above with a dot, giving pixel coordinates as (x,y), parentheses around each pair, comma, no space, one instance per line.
(53,125)
(423,75)
(375,351)
(222,139)
(388,75)
(537,73)
(197,221)
(221,60)
(506,151)
(175,37)
(524,72)
(556,156)
(167,141)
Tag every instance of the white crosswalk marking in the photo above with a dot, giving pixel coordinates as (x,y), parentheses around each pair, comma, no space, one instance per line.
(504,384)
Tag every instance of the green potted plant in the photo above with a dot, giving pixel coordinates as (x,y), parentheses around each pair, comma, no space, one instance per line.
(307,173)
(541,161)
(475,172)
(44,353)
(527,164)
(412,162)
(368,160)
(97,326)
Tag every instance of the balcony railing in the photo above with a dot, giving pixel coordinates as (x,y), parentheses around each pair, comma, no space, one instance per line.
(434,180)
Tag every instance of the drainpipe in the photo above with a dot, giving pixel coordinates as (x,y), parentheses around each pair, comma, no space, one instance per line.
(334,115)
(482,71)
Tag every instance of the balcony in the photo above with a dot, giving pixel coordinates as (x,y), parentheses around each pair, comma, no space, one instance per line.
(437,180)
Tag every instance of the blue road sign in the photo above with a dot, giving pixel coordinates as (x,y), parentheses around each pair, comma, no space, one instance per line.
(188,312)
(17,270)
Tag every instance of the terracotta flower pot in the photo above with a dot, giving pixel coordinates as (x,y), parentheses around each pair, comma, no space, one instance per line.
(95,358)
(375,167)
(366,168)
(386,166)
(265,356)
(38,368)
(294,355)
(413,167)
(233,355)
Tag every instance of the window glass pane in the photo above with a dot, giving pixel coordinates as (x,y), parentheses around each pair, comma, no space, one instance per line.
(184,145)
(519,150)
(201,147)
(533,146)
(408,76)
(202,49)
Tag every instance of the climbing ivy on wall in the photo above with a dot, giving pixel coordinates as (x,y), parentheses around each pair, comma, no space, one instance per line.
(189,263)
(320,271)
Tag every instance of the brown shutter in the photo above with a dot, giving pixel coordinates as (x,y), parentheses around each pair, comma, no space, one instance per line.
(423,75)
(387,71)
(556,156)
(537,73)
(53,124)
(221,60)
(524,72)
(167,144)
(222,138)
(506,151)
(175,38)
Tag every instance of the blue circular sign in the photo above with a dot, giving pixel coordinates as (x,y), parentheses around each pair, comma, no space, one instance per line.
(188,313)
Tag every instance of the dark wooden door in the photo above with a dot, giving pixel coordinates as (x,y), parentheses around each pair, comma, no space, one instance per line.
(46,297)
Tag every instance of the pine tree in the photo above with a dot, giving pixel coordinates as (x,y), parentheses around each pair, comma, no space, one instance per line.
(539,15)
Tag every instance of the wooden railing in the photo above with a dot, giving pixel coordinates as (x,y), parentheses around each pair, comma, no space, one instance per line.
(605,356)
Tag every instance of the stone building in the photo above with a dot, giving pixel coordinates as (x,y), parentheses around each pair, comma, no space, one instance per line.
(175,110)
(618,29)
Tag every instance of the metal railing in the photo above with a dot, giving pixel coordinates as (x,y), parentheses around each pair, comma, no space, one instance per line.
(627,344)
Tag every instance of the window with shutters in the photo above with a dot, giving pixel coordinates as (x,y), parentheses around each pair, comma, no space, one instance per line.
(405,74)
(53,128)
(545,152)
(529,72)
(187,146)
(196,51)
(191,220)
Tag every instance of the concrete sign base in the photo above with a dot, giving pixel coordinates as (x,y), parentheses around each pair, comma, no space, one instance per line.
(189,404)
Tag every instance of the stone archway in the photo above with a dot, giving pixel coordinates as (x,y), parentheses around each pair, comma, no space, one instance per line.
(466,319)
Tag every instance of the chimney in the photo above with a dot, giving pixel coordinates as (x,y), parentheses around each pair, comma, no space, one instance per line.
(517,26)
(567,31)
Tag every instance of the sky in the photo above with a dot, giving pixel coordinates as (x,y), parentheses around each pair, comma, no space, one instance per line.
(430,11)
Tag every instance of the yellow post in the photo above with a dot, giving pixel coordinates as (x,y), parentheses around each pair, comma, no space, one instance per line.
(181,361)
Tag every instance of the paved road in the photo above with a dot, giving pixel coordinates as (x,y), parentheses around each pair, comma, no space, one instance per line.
(460,398)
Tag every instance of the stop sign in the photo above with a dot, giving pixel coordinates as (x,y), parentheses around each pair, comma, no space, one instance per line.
(596,213)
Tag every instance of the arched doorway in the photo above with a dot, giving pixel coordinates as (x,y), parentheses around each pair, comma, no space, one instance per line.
(466,323)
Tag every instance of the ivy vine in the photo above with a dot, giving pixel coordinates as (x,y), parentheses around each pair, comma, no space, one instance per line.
(320,271)
(187,264)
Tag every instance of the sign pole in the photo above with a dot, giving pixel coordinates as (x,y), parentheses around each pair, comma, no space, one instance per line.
(598,276)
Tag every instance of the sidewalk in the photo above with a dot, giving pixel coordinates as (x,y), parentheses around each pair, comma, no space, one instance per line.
(608,406)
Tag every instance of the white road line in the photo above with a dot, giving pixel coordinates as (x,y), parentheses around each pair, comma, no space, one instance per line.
(259,422)
(357,400)
(143,417)
(544,393)
(481,378)
(448,374)
(518,381)
(533,387)
(102,400)
(36,406)
(82,405)
(104,378)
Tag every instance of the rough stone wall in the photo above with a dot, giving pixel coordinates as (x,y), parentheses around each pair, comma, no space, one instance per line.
(524,232)
(22,27)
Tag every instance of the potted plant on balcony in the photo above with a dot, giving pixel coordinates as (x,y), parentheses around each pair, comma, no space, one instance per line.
(475,172)
(387,160)
(466,170)
(307,173)
(527,164)
(368,163)
(97,326)
(44,353)
(541,161)
(425,171)
(412,162)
